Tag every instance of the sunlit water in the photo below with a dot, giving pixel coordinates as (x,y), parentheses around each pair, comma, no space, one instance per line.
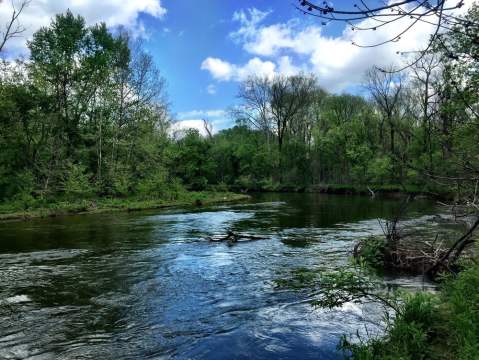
(148,285)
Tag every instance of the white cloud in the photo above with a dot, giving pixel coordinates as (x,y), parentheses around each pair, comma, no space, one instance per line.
(292,47)
(218,118)
(201,114)
(286,67)
(249,20)
(224,71)
(219,69)
(113,12)
(184,125)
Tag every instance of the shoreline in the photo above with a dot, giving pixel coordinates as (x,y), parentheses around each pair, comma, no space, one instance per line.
(345,189)
(109,205)
(112,205)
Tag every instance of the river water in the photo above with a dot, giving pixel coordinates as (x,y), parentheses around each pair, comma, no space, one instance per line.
(148,285)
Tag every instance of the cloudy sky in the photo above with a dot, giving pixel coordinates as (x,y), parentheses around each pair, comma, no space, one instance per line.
(204,48)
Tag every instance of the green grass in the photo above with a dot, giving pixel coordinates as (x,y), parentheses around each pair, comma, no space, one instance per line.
(60,207)
(430,326)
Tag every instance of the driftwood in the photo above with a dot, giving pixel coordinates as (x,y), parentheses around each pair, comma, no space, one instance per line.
(448,260)
(232,237)
(409,253)
(406,254)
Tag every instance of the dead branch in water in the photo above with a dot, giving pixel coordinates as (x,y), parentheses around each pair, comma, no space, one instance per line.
(232,237)
(449,259)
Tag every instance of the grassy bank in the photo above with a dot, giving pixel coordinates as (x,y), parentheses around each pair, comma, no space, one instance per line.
(51,208)
(431,326)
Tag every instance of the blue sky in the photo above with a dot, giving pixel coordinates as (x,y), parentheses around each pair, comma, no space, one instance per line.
(205,48)
(193,30)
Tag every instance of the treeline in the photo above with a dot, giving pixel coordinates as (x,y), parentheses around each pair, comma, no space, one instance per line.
(417,128)
(86,115)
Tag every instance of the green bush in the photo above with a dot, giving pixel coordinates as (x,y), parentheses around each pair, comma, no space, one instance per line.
(76,183)
(409,336)
(379,170)
(221,187)
(121,184)
(430,326)
(159,185)
(269,185)
(372,252)
(461,306)
(153,186)
(245,182)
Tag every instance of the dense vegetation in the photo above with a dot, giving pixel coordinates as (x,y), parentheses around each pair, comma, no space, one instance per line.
(429,326)
(86,115)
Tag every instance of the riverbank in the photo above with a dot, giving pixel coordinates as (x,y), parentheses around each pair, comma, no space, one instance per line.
(351,189)
(372,190)
(16,211)
(443,325)
(438,325)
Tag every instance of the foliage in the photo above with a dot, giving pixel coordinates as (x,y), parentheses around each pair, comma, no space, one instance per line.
(410,333)
(77,182)
(371,252)
(301,278)
(94,99)
(429,326)
(418,325)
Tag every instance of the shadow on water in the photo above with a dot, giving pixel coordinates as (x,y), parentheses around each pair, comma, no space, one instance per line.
(148,285)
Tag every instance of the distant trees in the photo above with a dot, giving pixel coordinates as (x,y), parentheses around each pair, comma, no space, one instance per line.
(88,114)
(414,128)
(278,107)
(314,131)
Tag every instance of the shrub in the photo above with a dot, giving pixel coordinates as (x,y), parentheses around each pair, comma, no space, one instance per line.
(410,333)
(76,181)
(159,185)
(380,169)
(372,252)
(221,187)
(245,182)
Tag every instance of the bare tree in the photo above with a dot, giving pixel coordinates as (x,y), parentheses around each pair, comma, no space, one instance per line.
(208,126)
(406,13)
(385,89)
(13,28)
(278,106)
(422,102)
(289,98)
(255,109)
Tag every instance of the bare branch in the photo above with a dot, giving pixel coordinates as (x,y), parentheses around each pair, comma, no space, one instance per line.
(13,28)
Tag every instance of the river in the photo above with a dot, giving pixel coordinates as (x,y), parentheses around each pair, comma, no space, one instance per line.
(148,285)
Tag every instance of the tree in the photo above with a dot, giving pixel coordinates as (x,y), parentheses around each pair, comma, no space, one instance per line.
(278,106)
(385,89)
(13,28)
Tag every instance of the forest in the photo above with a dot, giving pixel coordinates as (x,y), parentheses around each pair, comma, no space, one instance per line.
(87,115)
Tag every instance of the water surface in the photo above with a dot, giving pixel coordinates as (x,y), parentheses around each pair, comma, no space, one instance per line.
(148,285)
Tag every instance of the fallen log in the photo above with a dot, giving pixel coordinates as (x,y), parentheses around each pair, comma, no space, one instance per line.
(232,237)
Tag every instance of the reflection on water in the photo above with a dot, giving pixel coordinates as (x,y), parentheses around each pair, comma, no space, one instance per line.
(148,285)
